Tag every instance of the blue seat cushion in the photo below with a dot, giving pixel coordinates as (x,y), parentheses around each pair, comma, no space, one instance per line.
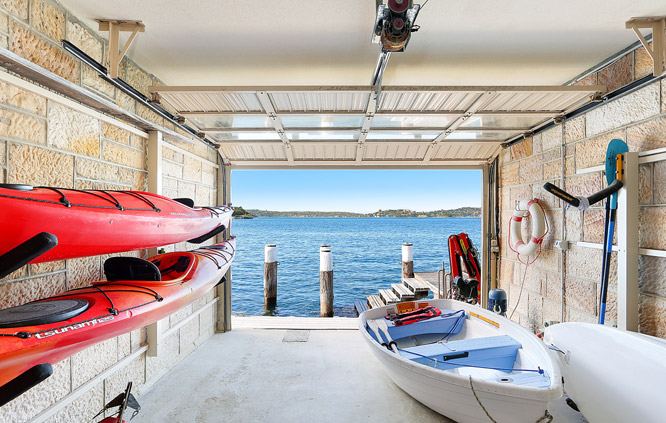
(496,352)
(444,324)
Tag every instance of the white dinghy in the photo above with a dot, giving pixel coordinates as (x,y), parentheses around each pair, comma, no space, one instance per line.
(467,363)
(612,375)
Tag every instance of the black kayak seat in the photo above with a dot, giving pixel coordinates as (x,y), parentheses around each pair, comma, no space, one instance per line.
(42,312)
(130,269)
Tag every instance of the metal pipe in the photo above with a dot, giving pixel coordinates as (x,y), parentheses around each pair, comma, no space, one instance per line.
(564,210)
(620,92)
(378,75)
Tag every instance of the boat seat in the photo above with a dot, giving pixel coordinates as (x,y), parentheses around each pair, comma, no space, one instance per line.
(498,352)
(130,269)
(531,379)
(441,324)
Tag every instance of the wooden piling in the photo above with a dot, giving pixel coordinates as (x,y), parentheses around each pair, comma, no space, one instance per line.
(407,260)
(270,275)
(326,281)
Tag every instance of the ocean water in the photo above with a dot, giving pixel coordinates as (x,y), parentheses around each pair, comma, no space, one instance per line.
(366,257)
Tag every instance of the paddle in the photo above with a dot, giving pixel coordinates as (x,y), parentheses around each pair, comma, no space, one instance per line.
(383,327)
(372,325)
(613,172)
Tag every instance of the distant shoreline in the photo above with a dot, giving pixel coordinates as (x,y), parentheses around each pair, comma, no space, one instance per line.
(459,212)
(363,217)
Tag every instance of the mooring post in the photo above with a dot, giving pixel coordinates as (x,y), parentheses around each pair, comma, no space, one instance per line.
(270,275)
(326,281)
(407,260)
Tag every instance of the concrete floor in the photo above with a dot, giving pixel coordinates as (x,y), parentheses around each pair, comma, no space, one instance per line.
(253,375)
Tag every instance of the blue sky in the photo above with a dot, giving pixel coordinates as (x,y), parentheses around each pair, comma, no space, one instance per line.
(359,191)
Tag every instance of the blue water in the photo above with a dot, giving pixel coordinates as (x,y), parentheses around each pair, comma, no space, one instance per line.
(366,257)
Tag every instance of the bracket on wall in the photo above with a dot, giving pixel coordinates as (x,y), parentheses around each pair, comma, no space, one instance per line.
(658,49)
(115,27)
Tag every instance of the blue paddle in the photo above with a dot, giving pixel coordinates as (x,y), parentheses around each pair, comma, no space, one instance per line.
(615,147)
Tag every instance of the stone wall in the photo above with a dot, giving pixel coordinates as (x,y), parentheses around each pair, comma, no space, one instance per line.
(639,119)
(44,141)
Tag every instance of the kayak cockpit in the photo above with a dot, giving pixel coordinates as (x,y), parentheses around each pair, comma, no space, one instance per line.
(162,270)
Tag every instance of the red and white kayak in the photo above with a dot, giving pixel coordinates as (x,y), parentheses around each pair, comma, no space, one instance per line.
(88,223)
(137,292)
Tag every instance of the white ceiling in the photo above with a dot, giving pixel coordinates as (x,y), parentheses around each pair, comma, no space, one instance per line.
(303,42)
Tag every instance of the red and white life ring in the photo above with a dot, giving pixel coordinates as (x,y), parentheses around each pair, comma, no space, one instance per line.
(524,209)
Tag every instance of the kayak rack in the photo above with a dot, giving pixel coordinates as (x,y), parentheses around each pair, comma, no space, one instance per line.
(26,252)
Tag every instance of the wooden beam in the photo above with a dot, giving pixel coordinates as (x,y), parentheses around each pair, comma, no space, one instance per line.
(122,25)
(155,143)
(115,27)
(658,50)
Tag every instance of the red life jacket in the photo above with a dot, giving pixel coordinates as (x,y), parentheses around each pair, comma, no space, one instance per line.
(413,316)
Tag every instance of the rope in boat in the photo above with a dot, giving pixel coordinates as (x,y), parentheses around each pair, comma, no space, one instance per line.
(479,401)
(459,320)
(546,418)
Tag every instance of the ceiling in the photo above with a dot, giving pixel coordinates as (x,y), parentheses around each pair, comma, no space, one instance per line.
(285,83)
(316,42)
(338,126)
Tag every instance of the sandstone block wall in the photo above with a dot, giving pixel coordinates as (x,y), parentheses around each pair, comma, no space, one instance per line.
(639,119)
(45,142)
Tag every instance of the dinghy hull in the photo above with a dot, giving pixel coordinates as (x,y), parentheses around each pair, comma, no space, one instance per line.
(451,394)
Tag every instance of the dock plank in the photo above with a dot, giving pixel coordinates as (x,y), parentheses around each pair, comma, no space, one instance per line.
(374,301)
(415,285)
(402,292)
(388,296)
(360,306)
(430,280)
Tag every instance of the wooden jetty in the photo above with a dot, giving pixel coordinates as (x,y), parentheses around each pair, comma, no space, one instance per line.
(411,288)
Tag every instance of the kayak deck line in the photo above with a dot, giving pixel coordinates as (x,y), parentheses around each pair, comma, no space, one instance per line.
(97,288)
(215,211)
(63,198)
(75,223)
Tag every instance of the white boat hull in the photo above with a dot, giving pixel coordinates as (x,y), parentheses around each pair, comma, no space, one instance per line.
(612,375)
(450,394)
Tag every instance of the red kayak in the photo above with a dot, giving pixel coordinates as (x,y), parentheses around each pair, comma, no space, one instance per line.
(88,223)
(137,292)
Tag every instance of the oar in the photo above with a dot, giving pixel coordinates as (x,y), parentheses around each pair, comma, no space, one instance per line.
(383,327)
(372,325)
(614,172)
(605,260)
(613,163)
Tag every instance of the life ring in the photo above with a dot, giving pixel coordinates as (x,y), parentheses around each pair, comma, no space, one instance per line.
(524,209)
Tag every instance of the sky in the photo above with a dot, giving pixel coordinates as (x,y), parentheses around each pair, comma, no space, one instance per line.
(360,191)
